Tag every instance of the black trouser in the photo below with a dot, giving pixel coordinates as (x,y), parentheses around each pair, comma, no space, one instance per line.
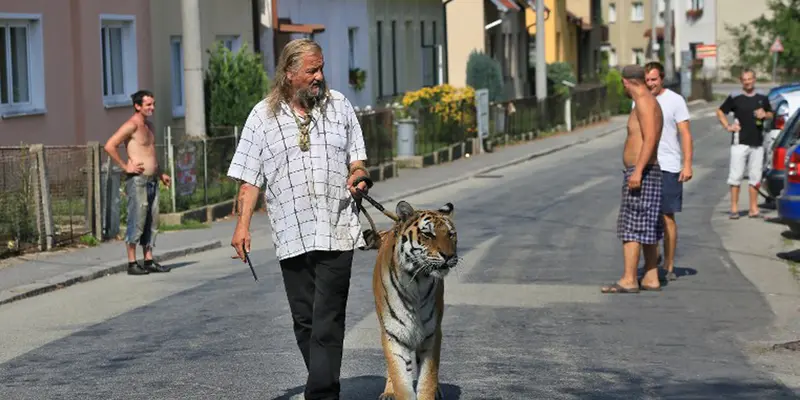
(317,285)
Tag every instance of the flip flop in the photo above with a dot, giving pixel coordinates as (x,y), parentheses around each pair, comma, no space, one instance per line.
(671,276)
(754,215)
(733,215)
(615,288)
(650,288)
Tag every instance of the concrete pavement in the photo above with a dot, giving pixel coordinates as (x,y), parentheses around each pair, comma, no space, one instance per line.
(524,318)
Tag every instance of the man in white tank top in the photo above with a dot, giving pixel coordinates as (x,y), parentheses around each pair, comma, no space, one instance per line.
(676,140)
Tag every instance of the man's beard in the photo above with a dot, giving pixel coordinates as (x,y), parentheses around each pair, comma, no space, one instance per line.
(307,98)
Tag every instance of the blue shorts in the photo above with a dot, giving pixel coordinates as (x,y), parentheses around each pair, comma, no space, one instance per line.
(671,193)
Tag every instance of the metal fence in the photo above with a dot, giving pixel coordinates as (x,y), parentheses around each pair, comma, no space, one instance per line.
(48,196)
(198,168)
(377,127)
(452,123)
(19,225)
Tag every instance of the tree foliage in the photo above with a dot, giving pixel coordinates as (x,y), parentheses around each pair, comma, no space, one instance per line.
(753,39)
(234,83)
(483,72)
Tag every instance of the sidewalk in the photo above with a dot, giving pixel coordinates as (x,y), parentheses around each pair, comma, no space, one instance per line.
(39,273)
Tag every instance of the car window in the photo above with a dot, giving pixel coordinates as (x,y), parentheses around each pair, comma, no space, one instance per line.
(790,132)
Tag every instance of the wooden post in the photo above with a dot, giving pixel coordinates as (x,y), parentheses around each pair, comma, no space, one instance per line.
(44,189)
(97,213)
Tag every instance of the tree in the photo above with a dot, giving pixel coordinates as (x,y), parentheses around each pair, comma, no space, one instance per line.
(483,72)
(234,82)
(753,39)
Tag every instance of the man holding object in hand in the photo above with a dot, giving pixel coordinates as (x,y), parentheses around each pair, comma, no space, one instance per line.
(305,144)
(639,224)
(749,109)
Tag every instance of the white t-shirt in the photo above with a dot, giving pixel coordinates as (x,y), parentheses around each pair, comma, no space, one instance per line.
(675,110)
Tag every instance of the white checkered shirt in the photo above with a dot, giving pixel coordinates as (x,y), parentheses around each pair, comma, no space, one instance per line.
(306,193)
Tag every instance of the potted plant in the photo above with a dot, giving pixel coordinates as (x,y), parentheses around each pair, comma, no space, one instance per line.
(357,78)
(694,13)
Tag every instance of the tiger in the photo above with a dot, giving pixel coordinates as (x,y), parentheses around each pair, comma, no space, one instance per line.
(413,259)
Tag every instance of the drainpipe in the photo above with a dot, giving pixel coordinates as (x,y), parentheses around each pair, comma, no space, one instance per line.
(193,70)
(446,53)
(256,15)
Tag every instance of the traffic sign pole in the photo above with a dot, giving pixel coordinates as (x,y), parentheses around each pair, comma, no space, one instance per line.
(777,47)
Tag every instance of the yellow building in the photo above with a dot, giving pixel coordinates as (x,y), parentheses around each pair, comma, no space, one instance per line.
(562,33)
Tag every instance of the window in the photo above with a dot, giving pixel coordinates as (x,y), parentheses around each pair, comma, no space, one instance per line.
(176,53)
(637,12)
(231,42)
(612,12)
(119,60)
(695,4)
(638,57)
(21,65)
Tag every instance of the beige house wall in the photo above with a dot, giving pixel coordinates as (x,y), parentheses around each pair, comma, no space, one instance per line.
(66,70)
(625,35)
(229,18)
(465,33)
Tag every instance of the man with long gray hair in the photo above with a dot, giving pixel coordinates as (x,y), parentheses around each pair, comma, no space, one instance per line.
(304,142)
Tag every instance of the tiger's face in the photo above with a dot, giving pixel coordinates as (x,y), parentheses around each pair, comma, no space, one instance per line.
(428,240)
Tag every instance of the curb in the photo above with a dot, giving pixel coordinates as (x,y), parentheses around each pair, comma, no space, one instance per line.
(92,273)
(491,168)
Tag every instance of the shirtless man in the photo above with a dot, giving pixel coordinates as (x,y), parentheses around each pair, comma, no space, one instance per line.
(141,186)
(639,223)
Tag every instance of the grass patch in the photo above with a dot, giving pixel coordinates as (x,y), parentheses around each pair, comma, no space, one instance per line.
(188,224)
(89,240)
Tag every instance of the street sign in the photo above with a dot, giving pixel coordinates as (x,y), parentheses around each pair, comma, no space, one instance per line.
(482,111)
(777,46)
(706,51)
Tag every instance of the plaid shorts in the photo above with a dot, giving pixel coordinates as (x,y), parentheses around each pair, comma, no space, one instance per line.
(640,212)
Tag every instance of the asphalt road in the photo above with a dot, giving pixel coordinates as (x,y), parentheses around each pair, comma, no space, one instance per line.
(525,318)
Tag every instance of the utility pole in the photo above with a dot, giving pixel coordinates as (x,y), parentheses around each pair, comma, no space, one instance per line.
(193,70)
(541,62)
(669,58)
(654,25)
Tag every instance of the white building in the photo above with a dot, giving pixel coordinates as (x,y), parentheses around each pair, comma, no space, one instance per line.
(695,24)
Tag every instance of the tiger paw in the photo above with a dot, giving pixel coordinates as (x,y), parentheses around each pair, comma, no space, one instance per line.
(387,396)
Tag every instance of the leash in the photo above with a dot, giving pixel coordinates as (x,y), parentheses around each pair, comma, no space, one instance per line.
(371,235)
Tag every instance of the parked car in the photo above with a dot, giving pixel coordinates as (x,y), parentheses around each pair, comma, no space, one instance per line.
(773,128)
(789,199)
(786,124)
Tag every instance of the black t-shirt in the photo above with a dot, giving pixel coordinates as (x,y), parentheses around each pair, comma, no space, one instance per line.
(743,108)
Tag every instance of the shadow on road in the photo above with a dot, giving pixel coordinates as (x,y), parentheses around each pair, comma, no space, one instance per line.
(793,256)
(370,387)
(179,264)
(622,384)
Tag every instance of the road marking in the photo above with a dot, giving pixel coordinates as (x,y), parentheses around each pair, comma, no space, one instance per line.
(470,260)
(365,333)
(587,185)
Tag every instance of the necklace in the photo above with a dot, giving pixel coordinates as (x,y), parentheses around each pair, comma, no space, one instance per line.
(304,139)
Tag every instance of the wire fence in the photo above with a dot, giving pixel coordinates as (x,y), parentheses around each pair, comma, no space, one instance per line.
(19,225)
(377,127)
